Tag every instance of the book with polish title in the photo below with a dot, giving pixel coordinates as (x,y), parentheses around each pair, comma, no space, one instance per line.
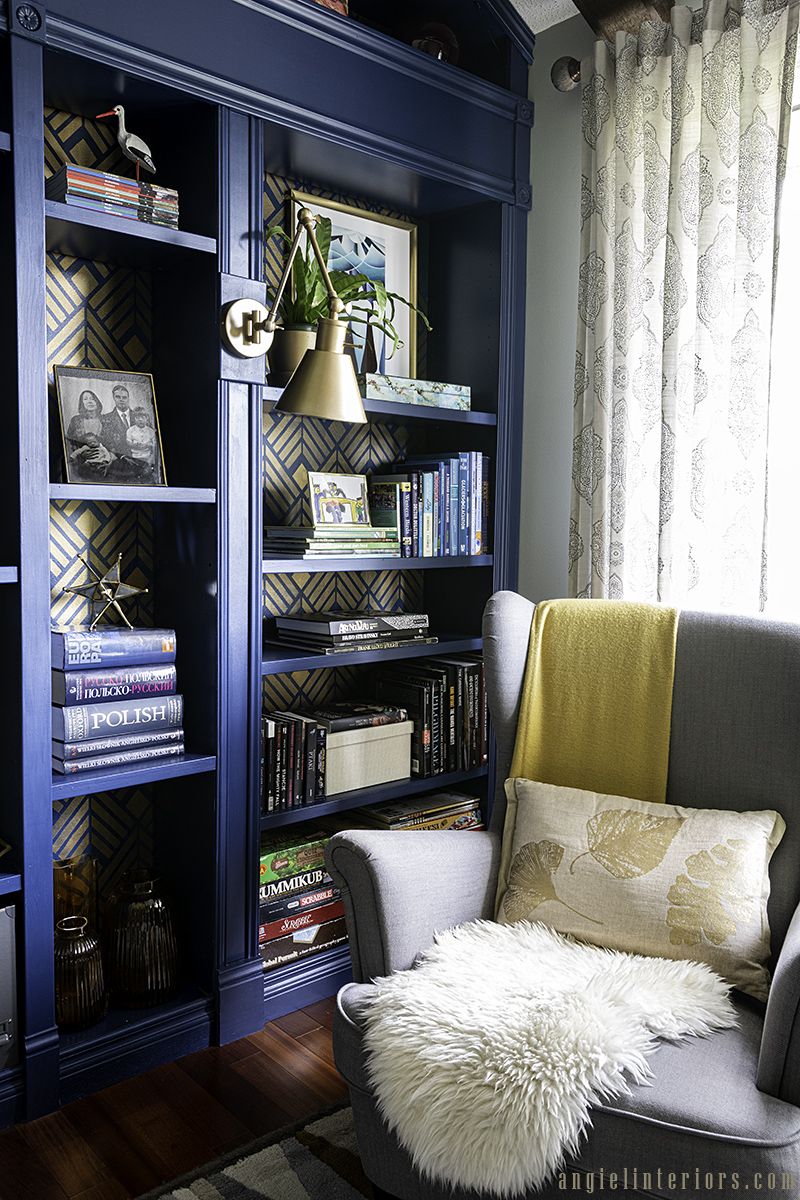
(110,646)
(84,722)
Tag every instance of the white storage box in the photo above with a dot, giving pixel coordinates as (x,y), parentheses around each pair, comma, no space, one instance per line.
(359,758)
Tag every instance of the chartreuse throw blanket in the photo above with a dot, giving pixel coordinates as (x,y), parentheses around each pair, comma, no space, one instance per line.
(597,697)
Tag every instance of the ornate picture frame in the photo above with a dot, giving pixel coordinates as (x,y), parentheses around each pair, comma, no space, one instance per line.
(378,246)
(109,427)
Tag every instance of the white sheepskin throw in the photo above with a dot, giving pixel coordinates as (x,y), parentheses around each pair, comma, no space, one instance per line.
(487,1054)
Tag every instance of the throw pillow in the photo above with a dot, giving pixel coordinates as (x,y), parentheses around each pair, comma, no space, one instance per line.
(651,879)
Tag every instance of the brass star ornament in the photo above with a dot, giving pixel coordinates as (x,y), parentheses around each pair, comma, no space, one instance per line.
(106,592)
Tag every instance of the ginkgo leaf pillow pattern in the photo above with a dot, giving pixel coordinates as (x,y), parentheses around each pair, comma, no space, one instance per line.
(657,879)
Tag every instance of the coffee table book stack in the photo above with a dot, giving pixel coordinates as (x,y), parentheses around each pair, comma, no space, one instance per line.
(318,542)
(361,629)
(115,698)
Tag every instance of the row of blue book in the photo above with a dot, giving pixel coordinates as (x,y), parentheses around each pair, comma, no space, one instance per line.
(114,697)
(439,502)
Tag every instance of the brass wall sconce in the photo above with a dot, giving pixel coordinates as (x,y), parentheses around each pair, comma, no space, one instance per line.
(324,384)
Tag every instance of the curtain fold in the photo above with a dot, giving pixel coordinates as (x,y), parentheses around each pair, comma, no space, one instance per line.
(685,130)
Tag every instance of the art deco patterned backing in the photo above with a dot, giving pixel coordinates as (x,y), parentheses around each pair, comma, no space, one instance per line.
(291,447)
(98,315)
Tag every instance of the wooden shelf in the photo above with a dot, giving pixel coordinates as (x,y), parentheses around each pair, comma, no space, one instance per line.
(10,884)
(302,566)
(132,494)
(278,659)
(131,775)
(103,237)
(370,795)
(382,410)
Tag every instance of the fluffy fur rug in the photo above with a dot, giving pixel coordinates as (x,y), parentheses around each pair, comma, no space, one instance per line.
(486,1056)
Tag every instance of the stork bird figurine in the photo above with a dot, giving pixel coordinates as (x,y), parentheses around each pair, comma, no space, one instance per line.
(132,146)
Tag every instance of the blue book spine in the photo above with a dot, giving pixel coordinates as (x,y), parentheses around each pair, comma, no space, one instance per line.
(437,513)
(444,500)
(110,647)
(463,503)
(453,464)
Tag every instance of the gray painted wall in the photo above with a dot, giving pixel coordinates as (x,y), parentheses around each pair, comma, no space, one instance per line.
(553,245)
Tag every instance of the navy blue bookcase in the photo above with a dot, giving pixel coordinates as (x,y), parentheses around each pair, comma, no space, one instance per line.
(231,100)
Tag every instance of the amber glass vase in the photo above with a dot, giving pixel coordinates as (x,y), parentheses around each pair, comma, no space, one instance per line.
(75,889)
(141,950)
(80,989)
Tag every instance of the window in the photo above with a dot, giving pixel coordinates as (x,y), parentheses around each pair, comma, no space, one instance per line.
(783,542)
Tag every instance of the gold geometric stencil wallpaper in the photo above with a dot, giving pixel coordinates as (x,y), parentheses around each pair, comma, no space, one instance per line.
(290,448)
(115,827)
(98,316)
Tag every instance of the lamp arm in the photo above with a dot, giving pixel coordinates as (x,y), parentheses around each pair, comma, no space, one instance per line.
(269,323)
(244,321)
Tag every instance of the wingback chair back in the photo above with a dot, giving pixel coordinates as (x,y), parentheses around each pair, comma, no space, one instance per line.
(735,731)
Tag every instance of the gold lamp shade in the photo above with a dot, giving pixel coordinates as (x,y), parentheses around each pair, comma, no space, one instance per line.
(324,384)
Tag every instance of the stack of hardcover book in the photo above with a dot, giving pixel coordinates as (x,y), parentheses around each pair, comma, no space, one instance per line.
(440,503)
(362,629)
(300,910)
(320,542)
(443,810)
(114,697)
(84,187)
(446,699)
(294,748)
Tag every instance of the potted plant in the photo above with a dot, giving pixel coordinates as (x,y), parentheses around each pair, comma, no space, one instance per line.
(366,302)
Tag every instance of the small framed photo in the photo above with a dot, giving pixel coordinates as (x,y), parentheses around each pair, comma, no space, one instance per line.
(338,500)
(109,427)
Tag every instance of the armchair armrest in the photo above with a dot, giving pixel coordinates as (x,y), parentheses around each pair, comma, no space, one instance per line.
(400,886)
(779,1058)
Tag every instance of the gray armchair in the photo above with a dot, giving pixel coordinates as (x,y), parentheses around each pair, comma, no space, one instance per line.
(726,1107)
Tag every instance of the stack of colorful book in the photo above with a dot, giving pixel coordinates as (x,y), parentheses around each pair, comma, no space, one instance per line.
(439,502)
(114,697)
(361,629)
(137,199)
(300,910)
(319,542)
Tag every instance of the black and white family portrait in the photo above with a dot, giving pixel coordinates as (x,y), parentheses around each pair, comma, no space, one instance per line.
(109,426)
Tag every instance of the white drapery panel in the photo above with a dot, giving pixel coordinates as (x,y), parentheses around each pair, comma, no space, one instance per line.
(685,132)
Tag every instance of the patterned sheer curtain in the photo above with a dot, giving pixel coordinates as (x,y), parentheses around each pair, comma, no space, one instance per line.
(685,132)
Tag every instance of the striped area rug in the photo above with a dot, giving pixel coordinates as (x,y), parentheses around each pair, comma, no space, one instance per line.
(316,1160)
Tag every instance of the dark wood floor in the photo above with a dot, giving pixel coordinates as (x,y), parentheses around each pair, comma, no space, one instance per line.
(131,1137)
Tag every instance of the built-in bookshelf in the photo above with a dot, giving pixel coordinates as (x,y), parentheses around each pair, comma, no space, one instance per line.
(225,118)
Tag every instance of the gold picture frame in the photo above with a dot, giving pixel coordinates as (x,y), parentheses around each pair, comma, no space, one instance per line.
(372,242)
(109,427)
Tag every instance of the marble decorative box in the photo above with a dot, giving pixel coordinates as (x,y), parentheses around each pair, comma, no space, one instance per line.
(414,391)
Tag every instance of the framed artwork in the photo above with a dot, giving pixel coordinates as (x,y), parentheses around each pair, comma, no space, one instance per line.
(383,248)
(338,500)
(109,427)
